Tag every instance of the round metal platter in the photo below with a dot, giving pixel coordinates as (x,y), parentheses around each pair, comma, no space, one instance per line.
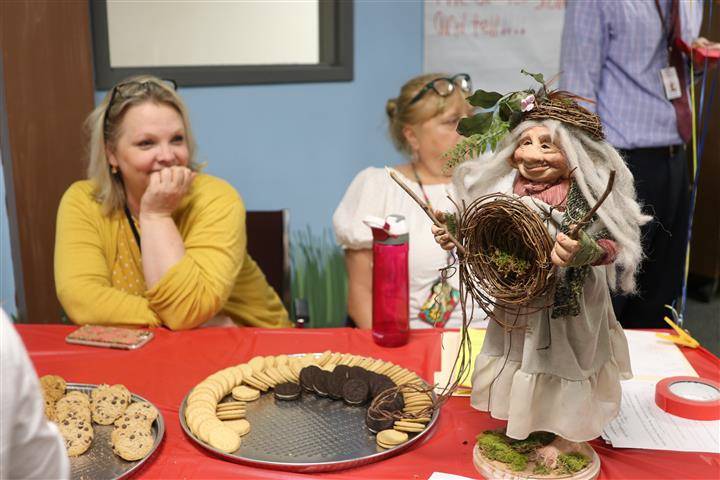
(99,461)
(311,434)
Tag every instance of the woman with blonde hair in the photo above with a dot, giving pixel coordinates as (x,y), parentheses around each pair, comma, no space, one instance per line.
(147,239)
(422,124)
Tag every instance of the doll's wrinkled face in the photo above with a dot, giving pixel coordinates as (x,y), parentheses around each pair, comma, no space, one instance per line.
(537,158)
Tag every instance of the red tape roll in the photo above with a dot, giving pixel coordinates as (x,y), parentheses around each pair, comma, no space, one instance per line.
(689,397)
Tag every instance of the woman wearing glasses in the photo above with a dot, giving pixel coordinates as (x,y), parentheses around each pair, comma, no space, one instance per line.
(147,239)
(422,124)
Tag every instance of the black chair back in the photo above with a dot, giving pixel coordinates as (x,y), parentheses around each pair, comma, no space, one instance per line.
(268,243)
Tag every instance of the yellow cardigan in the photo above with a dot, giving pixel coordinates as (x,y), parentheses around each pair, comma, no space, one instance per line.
(97,285)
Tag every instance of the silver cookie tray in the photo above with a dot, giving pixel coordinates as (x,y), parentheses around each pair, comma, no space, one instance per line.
(99,461)
(312,434)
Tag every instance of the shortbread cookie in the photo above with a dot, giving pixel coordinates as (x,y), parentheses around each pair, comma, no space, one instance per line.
(391,438)
(231,414)
(206,426)
(241,427)
(405,426)
(245,394)
(230,405)
(195,419)
(224,439)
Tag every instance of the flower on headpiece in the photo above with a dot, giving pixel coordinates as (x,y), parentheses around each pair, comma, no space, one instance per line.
(527,103)
(500,113)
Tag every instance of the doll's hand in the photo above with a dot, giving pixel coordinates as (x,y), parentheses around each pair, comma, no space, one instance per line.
(440,234)
(564,250)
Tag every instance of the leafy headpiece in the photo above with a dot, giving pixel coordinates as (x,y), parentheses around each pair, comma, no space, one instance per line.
(502,113)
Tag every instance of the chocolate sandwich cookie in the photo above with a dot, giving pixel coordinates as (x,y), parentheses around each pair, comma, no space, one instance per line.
(359,373)
(320,382)
(307,377)
(287,391)
(394,402)
(336,383)
(380,383)
(355,391)
(377,425)
(341,370)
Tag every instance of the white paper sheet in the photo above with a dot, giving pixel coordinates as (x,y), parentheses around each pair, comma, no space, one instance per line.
(642,424)
(446,476)
(653,358)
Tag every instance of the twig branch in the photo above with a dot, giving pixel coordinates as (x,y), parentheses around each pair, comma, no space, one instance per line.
(393,174)
(588,216)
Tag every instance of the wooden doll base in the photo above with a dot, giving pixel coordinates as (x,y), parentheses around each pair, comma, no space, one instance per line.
(499,471)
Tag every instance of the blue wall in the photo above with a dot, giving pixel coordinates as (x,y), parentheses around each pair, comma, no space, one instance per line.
(298,146)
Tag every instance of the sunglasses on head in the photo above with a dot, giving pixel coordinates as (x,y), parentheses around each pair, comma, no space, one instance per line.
(121,89)
(445,86)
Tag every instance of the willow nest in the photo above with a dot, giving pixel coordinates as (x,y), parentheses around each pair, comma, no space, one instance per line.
(507,261)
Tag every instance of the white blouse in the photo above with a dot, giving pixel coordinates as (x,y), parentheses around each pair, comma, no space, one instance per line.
(373,192)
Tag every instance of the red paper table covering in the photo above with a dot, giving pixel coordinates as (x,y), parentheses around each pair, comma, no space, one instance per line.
(165,370)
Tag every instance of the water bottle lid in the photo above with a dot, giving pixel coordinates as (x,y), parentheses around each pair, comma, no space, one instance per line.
(394,226)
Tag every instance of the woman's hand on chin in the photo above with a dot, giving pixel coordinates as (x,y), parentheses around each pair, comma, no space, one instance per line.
(165,191)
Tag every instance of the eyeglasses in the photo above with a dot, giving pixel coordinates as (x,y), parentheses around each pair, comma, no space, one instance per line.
(118,89)
(444,86)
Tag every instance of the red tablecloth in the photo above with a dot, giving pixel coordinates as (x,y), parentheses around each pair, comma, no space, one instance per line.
(165,370)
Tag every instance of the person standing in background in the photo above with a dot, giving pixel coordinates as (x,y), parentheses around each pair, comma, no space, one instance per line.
(621,56)
(30,445)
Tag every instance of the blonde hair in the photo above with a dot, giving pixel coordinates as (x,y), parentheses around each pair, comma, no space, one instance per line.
(401,113)
(104,124)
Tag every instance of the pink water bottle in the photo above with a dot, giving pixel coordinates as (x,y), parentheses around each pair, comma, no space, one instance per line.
(391,290)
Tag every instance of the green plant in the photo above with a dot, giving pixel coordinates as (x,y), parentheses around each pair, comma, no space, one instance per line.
(500,114)
(508,263)
(319,277)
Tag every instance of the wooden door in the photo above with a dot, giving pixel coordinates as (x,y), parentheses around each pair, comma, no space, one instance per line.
(48,91)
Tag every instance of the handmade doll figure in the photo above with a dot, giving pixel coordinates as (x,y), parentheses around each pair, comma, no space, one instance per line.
(556,365)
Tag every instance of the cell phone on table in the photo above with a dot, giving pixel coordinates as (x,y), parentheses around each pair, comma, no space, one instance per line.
(110,337)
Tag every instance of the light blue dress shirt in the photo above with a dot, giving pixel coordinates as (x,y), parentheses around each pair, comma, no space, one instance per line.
(612,53)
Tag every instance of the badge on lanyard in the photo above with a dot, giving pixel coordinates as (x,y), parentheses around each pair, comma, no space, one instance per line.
(671,82)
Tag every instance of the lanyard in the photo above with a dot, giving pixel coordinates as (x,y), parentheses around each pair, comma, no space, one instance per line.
(135,232)
(427,200)
(668,30)
(422,189)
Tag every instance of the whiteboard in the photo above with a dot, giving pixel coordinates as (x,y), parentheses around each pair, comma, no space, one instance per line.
(492,40)
(202,33)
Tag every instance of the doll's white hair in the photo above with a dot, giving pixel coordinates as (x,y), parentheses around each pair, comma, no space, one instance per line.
(592,160)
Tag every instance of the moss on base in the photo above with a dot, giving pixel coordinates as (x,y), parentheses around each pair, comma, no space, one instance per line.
(572,462)
(495,447)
